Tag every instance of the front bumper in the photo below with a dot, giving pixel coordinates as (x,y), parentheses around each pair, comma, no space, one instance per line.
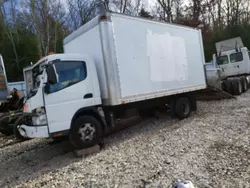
(34,131)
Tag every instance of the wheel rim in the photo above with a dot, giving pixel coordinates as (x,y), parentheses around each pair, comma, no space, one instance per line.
(245,85)
(87,132)
(185,108)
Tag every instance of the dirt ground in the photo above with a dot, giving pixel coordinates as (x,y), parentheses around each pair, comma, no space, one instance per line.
(211,148)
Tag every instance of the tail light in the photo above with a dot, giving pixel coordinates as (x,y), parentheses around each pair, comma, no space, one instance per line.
(25,107)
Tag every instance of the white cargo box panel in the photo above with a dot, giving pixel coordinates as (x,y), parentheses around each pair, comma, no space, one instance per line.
(139,59)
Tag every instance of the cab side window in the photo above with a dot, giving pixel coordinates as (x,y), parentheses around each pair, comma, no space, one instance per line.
(236,57)
(69,73)
(222,60)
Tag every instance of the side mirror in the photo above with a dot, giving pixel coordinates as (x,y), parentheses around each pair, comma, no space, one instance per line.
(51,73)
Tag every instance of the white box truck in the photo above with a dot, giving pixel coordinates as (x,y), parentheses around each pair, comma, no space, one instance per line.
(233,63)
(112,64)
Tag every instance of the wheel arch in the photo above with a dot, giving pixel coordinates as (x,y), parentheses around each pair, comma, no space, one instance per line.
(92,111)
(191,97)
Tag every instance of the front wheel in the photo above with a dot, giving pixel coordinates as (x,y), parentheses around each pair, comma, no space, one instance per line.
(183,108)
(85,132)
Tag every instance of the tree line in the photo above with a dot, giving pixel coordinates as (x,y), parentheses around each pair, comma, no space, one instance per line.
(30,29)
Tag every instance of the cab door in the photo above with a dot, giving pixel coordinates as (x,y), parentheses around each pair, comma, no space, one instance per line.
(224,65)
(73,91)
(237,63)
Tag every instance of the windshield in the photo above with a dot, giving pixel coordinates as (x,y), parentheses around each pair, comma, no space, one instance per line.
(69,73)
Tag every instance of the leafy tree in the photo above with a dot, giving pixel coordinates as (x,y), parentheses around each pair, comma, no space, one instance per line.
(145,14)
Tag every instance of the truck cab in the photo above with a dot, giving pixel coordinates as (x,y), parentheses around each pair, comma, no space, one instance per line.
(55,83)
(233,62)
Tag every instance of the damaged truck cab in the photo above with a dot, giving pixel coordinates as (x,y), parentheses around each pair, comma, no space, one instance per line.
(55,83)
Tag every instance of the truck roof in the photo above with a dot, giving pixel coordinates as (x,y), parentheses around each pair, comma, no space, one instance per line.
(96,20)
(56,56)
(233,51)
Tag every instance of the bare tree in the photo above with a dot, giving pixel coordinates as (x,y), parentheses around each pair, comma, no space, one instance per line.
(137,7)
(123,6)
(10,29)
(46,16)
(178,9)
(166,6)
(81,11)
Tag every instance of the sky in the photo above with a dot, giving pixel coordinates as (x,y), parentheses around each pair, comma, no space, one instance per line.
(149,3)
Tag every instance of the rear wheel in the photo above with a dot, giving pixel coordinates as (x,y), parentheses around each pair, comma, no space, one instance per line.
(85,132)
(183,108)
(244,84)
(237,87)
(228,86)
(223,86)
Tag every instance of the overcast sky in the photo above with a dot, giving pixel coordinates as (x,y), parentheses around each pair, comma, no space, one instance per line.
(149,3)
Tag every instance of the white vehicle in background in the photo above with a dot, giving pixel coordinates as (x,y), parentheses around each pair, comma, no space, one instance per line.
(233,61)
(3,82)
(112,64)
(11,104)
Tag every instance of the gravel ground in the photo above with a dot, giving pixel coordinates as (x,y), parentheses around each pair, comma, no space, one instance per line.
(211,148)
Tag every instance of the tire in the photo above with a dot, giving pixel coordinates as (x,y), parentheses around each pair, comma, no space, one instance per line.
(237,87)
(5,128)
(6,132)
(228,85)
(223,86)
(183,108)
(85,132)
(244,84)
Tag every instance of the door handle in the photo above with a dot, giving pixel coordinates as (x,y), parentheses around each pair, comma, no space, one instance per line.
(88,95)
(238,66)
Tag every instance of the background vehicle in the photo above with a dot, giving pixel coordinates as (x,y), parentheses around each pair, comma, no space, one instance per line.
(233,61)
(11,104)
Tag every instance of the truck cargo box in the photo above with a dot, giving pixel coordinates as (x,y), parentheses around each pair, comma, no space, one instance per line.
(139,59)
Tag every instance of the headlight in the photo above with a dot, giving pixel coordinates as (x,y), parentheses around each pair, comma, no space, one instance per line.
(40,116)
